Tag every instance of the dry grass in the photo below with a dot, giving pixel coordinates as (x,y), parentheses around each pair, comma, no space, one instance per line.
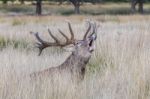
(119,68)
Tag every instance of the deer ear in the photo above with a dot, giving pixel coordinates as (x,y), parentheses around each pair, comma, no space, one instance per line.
(69,48)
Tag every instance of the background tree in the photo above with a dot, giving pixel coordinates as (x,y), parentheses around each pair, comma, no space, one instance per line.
(140,4)
(60,1)
(76,4)
(4,1)
(94,1)
(22,1)
(38,7)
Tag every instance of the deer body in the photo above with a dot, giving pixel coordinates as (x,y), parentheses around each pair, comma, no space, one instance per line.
(75,65)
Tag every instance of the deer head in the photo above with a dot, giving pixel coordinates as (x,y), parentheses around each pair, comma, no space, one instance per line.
(82,48)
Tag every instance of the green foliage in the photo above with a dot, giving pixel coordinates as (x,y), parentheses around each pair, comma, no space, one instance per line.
(4,1)
(94,12)
(17,9)
(66,12)
(91,1)
(116,0)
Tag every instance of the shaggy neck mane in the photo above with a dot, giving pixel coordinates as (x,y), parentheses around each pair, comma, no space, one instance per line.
(74,61)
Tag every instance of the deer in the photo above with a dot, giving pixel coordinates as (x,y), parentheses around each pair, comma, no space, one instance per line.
(75,64)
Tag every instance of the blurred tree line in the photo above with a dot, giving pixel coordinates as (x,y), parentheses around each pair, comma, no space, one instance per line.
(61,1)
(78,3)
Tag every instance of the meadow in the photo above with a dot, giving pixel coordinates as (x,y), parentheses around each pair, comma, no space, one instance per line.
(119,67)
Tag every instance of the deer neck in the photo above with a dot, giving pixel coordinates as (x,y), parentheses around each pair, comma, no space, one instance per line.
(76,65)
(75,62)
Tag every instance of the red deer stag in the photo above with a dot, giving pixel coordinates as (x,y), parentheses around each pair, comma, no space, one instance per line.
(75,64)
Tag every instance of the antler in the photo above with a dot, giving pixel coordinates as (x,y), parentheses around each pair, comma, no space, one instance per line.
(88,30)
(41,44)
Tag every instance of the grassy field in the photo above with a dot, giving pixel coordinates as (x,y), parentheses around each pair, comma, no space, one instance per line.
(119,67)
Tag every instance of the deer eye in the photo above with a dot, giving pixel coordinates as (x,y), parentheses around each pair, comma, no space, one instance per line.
(79,44)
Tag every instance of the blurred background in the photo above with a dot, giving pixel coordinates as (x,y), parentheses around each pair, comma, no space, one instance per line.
(69,7)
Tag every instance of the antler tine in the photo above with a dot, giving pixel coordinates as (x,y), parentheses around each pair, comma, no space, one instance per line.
(71,32)
(50,33)
(94,28)
(37,37)
(40,50)
(86,33)
(67,39)
(41,44)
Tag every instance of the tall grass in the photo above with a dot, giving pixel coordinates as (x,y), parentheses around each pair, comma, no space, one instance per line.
(118,69)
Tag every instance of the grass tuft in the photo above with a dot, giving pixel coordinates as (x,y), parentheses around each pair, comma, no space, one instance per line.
(5,42)
(17,22)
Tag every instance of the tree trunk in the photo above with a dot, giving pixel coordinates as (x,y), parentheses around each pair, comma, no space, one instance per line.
(77,9)
(82,2)
(76,4)
(22,1)
(133,5)
(60,2)
(140,9)
(93,2)
(39,7)
(140,5)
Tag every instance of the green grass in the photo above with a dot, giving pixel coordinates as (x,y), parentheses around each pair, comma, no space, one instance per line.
(17,22)
(6,42)
(17,9)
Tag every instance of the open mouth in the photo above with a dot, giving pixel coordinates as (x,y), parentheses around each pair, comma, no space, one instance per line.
(91,43)
(91,46)
(92,38)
